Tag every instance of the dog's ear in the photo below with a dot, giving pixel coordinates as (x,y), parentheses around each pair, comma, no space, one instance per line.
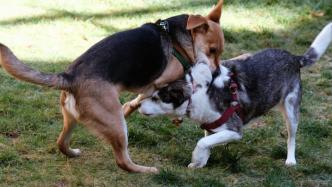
(197,23)
(178,97)
(215,14)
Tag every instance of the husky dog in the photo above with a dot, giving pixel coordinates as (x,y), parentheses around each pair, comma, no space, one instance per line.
(240,90)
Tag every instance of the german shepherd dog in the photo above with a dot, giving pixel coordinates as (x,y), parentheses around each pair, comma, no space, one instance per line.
(137,60)
(264,80)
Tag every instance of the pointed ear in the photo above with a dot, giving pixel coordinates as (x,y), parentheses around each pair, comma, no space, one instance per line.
(215,14)
(195,21)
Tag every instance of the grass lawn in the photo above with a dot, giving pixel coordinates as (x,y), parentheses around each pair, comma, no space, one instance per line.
(48,35)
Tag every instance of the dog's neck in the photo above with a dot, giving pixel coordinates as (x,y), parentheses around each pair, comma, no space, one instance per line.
(181,36)
(200,107)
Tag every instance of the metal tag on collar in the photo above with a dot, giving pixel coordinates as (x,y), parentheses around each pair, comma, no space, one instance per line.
(164,25)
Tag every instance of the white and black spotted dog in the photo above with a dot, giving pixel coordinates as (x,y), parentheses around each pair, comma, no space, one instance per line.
(242,89)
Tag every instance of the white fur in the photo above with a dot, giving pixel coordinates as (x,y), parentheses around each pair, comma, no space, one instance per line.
(200,107)
(201,110)
(202,58)
(291,123)
(70,105)
(222,78)
(153,108)
(202,74)
(243,96)
(201,153)
(323,40)
(76,152)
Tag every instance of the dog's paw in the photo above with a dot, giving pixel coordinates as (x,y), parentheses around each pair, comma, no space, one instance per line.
(75,152)
(151,170)
(154,170)
(195,165)
(128,108)
(290,162)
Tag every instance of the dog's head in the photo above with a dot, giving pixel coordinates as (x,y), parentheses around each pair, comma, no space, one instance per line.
(174,98)
(207,34)
(170,100)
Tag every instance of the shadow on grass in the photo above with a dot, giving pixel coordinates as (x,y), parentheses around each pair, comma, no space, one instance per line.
(55,14)
(295,39)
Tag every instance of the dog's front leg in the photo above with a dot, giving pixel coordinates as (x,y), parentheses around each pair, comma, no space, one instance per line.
(172,72)
(201,153)
(132,105)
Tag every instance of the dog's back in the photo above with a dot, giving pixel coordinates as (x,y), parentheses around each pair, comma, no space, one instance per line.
(267,77)
(124,56)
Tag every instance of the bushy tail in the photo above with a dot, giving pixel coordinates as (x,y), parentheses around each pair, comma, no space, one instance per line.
(23,72)
(318,47)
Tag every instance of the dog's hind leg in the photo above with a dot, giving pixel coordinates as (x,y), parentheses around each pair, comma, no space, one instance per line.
(290,110)
(103,115)
(69,123)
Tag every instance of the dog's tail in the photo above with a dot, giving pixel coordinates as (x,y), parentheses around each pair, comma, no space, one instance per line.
(318,47)
(23,72)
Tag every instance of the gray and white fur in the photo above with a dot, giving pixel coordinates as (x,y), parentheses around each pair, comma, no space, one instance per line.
(270,78)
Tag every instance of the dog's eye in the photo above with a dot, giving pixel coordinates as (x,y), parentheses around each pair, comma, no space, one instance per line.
(154,99)
(207,84)
(213,50)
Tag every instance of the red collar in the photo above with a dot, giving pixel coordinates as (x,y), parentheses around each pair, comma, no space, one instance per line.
(234,107)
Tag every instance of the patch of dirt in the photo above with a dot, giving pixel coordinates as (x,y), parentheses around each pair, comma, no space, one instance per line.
(257,124)
(13,134)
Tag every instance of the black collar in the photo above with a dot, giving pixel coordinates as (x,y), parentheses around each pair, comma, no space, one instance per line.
(178,52)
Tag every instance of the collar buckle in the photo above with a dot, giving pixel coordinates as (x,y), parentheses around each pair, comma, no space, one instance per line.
(163,24)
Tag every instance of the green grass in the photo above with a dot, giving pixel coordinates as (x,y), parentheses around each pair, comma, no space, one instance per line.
(48,35)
